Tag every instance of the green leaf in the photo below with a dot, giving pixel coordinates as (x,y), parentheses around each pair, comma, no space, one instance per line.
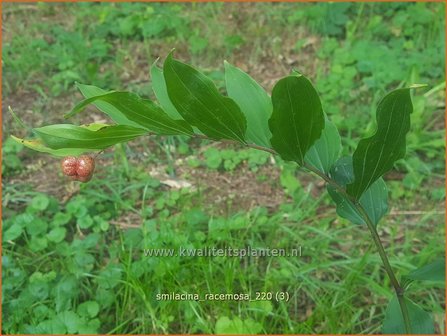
(52,327)
(377,154)
(197,99)
(237,326)
(110,276)
(434,271)
(326,150)
(40,202)
(374,200)
(70,136)
(71,321)
(37,244)
(60,218)
(13,232)
(297,119)
(91,327)
(421,322)
(57,234)
(37,227)
(261,306)
(161,92)
(254,102)
(85,222)
(89,91)
(37,145)
(143,112)
(88,309)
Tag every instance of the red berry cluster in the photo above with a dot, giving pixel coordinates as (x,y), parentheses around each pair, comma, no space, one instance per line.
(79,169)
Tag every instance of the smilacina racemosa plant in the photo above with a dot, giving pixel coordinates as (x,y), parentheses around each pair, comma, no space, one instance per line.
(291,123)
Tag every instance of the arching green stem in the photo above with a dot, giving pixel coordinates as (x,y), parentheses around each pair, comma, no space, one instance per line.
(375,236)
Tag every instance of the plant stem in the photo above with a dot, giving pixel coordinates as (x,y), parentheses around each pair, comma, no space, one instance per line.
(400,291)
(376,238)
(397,287)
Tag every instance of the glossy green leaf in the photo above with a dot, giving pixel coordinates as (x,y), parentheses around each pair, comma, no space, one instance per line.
(197,99)
(62,136)
(143,112)
(374,200)
(38,145)
(434,271)
(421,321)
(254,102)
(161,92)
(89,91)
(297,119)
(326,150)
(376,155)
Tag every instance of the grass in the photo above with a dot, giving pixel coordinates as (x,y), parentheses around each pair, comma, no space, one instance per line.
(73,259)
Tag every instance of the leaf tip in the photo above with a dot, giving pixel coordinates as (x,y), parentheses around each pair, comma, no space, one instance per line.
(79,86)
(17,118)
(297,73)
(154,64)
(169,59)
(170,55)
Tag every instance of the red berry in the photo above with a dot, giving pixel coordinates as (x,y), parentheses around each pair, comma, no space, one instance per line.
(69,165)
(86,166)
(79,169)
